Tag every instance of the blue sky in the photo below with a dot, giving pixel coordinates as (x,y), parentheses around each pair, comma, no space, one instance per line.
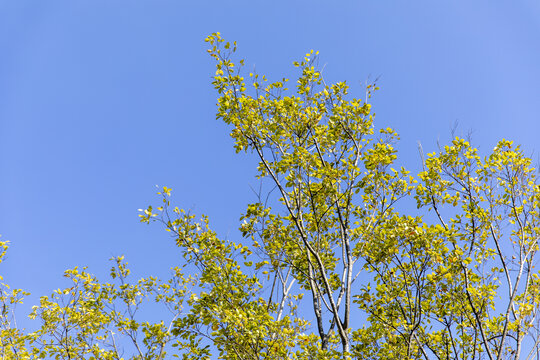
(101,100)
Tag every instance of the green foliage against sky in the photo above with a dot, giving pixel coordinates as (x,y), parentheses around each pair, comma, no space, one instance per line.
(329,265)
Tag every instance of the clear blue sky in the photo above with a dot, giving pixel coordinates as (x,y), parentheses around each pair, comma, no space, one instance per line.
(101,100)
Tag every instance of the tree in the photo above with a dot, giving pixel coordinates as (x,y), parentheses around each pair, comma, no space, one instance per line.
(339,264)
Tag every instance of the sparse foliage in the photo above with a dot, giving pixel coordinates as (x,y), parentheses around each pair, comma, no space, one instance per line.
(335,260)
